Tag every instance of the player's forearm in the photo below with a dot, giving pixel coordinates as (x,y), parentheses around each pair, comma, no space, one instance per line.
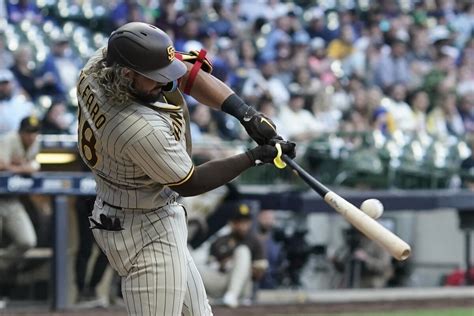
(207,89)
(213,174)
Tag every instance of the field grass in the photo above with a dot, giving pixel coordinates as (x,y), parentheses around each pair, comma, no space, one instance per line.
(431,312)
(423,312)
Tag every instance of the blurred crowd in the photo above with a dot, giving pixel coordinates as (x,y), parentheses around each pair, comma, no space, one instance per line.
(398,69)
(391,66)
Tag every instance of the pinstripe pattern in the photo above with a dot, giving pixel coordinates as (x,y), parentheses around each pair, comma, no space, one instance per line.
(139,149)
(159,276)
(135,151)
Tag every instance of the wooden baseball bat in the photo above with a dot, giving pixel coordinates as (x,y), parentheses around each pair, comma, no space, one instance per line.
(398,248)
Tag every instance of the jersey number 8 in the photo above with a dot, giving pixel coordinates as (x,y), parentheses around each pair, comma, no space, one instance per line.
(87,143)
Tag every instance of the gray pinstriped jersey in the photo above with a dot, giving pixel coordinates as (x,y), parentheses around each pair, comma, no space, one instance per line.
(134,150)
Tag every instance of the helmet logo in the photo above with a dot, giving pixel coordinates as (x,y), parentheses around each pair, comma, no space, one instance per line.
(171,52)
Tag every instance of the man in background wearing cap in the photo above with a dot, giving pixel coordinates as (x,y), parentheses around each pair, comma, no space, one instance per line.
(134,136)
(60,68)
(236,260)
(13,106)
(17,155)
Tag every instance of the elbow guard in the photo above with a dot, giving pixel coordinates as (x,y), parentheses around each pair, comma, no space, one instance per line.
(199,61)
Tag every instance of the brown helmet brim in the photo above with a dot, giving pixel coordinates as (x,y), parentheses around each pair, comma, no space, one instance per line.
(172,72)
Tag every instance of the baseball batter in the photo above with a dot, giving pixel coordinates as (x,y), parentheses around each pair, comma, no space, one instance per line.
(134,135)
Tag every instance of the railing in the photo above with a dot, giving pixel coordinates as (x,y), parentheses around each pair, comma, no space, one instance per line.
(60,185)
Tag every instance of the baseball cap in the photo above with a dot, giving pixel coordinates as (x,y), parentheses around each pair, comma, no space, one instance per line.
(6,75)
(60,39)
(147,50)
(241,211)
(30,124)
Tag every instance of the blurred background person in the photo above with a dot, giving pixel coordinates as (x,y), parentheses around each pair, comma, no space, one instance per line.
(13,105)
(236,260)
(445,119)
(57,119)
(266,222)
(18,156)
(61,68)
(20,10)
(300,124)
(393,67)
(361,262)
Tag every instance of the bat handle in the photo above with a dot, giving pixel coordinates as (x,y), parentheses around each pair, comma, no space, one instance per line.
(320,188)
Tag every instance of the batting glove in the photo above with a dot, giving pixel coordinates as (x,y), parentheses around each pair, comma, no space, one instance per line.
(267,153)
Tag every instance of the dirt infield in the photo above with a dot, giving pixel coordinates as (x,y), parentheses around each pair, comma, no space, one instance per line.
(291,302)
(275,310)
(339,308)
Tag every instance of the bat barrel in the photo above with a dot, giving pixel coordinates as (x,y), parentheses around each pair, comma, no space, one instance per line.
(364,223)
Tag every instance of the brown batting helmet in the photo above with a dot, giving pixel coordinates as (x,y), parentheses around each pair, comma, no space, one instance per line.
(145,49)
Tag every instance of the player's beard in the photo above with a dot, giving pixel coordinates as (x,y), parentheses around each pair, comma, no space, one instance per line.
(147,97)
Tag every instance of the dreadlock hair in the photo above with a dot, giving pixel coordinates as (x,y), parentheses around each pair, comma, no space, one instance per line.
(117,87)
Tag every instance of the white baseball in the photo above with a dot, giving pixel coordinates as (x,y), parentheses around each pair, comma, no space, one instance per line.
(372,207)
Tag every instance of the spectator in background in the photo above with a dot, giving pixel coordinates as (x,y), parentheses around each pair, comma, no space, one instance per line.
(327,116)
(268,108)
(19,150)
(393,67)
(24,71)
(444,119)
(301,125)
(441,78)
(342,47)
(360,104)
(419,103)
(265,83)
(463,22)
(467,167)
(309,85)
(319,63)
(401,112)
(265,229)
(168,17)
(13,106)
(419,56)
(280,33)
(188,31)
(126,11)
(205,135)
(236,260)
(247,54)
(222,21)
(202,126)
(62,66)
(6,57)
(466,69)
(466,109)
(361,262)
(317,26)
(57,119)
(20,10)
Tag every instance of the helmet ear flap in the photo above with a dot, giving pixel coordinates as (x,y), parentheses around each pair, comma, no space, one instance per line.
(171,86)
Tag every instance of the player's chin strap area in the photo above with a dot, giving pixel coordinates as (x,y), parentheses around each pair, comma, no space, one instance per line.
(171,86)
(199,61)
